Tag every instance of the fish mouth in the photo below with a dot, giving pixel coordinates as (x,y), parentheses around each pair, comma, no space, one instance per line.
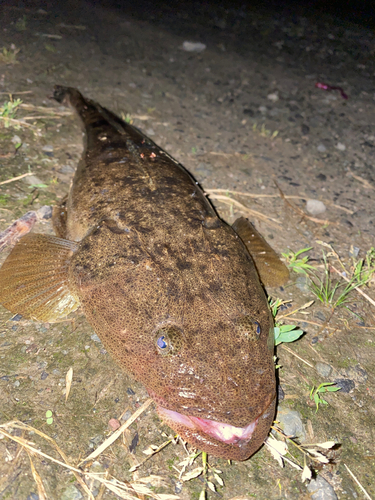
(226,433)
(218,438)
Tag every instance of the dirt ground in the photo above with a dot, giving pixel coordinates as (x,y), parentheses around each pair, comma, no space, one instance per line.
(243,115)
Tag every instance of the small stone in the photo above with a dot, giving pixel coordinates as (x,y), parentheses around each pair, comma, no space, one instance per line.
(126,416)
(315,207)
(32,180)
(321,177)
(114,424)
(340,146)
(193,46)
(305,129)
(273,97)
(262,109)
(71,493)
(48,148)
(150,131)
(321,148)
(302,283)
(44,212)
(324,369)
(291,423)
(16,139)
(44,375)
(346,384)
(17,383)
(95,338)
(130,391)
(355,373)
(320,489)
(320,315)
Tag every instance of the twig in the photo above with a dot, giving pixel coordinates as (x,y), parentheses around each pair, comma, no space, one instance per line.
(287,197)
(358,483)
(296,355)
(356,287)
(310,322)
(13,93)
(112,438)
(243,208)
(301,212)
(16,178)
(305,306)
(362,180)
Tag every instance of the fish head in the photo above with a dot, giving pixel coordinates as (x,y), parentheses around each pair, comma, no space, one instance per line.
(201,341)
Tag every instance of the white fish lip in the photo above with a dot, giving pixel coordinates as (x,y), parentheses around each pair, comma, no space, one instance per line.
(225,433)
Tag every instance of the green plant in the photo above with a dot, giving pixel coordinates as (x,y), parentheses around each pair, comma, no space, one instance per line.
(286,333)
(364,269)
(21,24)
(315,394)
(296,264)
(330,293)
(283,333)
(49,418)
(8,111)
(9,56)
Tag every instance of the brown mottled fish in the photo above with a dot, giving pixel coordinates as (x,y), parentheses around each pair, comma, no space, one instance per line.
(170,289)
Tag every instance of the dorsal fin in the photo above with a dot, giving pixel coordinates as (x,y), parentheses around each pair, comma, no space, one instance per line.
(272,272)
(34,279)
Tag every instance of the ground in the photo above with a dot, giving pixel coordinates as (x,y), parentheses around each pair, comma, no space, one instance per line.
(243,115)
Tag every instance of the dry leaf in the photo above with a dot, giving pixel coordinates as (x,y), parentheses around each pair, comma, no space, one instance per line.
(68,382)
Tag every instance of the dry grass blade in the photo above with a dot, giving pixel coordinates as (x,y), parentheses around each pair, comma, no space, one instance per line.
(355,288)
(122,489)
(68,381)
(301,212)
(252,195)
(20,425)
(16,178)
(243,208)
(39,483)
(301,308)
(296,355)
(358,483)
(112,438)
(287,197)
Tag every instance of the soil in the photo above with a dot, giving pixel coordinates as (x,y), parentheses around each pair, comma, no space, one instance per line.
(243,115)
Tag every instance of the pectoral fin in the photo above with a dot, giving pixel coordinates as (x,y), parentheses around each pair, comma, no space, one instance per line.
(34,279)
(272,272)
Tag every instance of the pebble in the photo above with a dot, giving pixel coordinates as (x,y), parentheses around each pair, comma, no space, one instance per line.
(291,423)
(346,384)
(321,148)
(340,146)
(324,369)
(114,424)
(32,180)
(95,338)
(302,283)
(356,373)
(44,375)
(273,97)
(71,493)
(16,139)
(44,212)
(193,46)
(320,489)
(315,207)
(48,148)
(33,496)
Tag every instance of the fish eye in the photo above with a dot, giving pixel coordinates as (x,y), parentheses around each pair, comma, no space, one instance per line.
(249,327)
(169,340)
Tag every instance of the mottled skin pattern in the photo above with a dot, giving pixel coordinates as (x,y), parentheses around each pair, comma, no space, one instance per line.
(154,261)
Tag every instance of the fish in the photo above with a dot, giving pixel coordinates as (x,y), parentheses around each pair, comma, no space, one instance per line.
(173,292)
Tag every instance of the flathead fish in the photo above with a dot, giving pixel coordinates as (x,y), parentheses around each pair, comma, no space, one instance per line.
(170,289)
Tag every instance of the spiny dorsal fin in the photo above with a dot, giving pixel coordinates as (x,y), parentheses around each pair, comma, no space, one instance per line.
(34,278)
(272,272)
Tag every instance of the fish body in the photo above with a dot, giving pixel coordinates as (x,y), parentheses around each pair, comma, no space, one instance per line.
(170,289)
